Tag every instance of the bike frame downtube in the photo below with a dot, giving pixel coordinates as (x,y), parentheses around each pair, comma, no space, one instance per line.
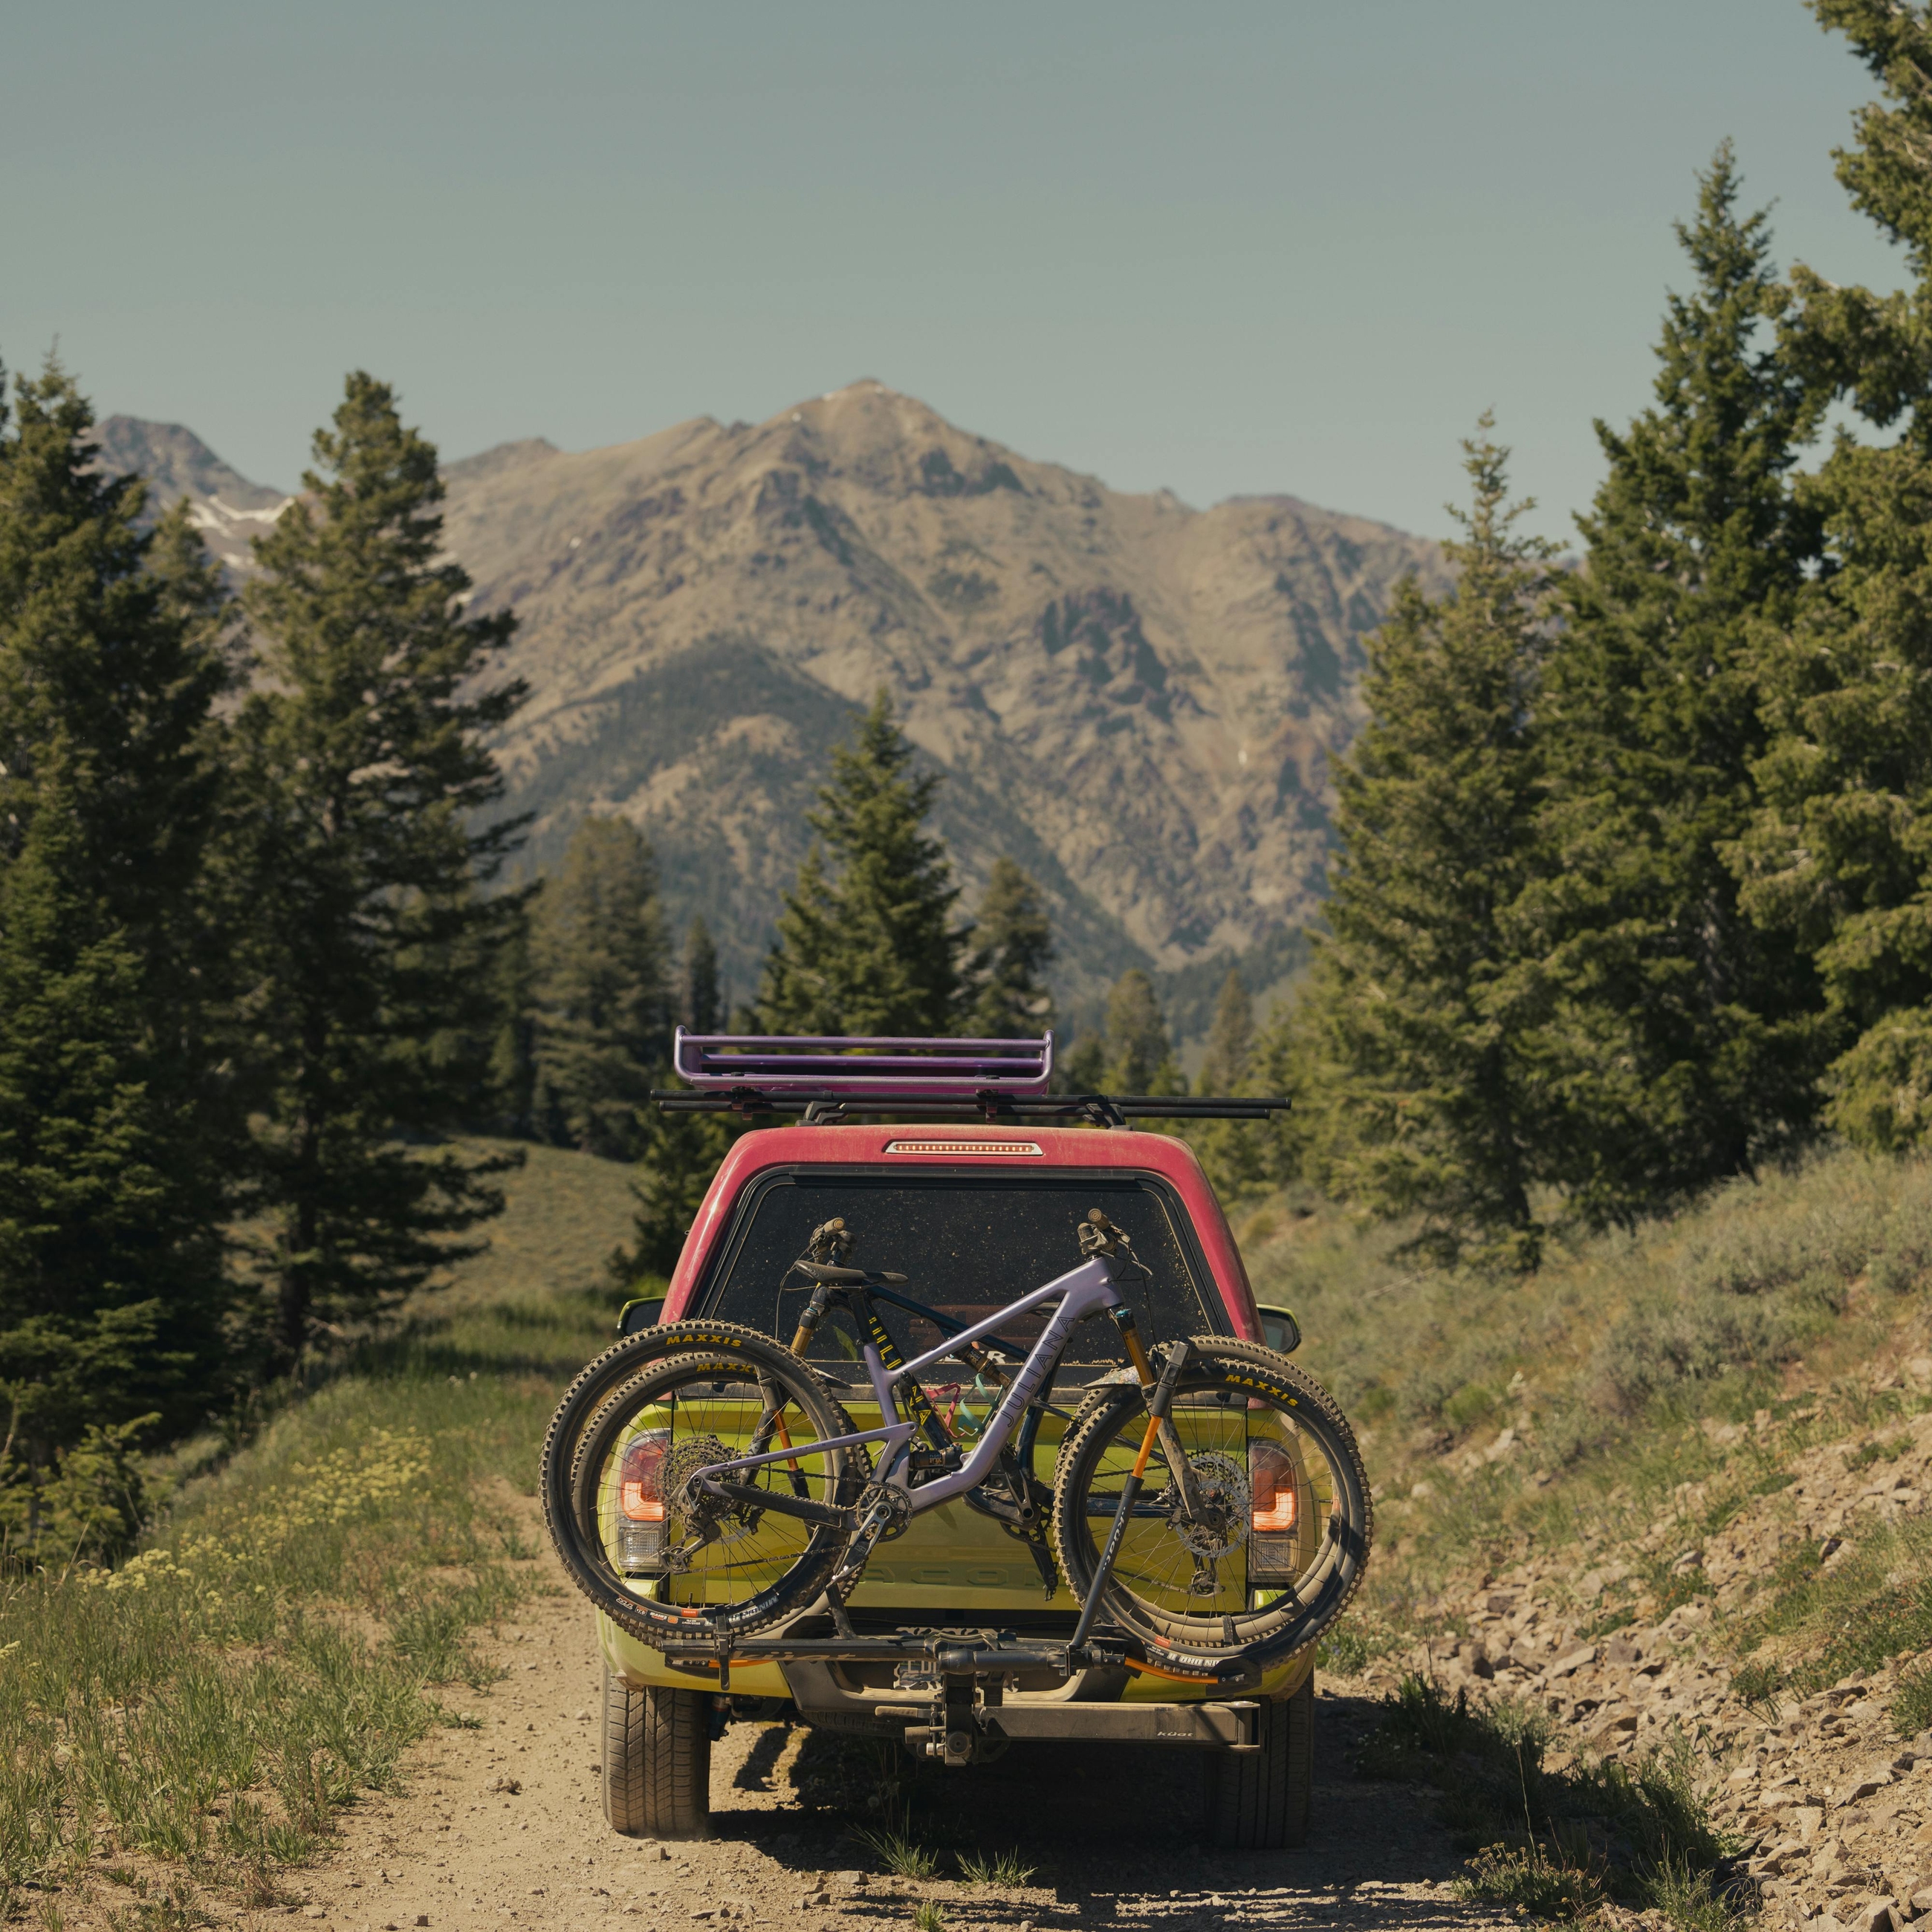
(1087,1290)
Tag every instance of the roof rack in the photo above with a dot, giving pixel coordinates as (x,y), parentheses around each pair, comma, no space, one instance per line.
(831,1064)
(829,1077)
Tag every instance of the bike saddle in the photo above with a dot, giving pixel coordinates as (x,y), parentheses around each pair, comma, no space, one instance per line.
(840,1277)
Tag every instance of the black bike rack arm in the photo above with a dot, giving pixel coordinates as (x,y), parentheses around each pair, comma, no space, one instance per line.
(1109,1110)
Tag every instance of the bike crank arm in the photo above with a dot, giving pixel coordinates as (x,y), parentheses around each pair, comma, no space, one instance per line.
(1124,1511)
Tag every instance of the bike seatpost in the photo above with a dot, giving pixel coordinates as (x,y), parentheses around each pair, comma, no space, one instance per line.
(810,1317)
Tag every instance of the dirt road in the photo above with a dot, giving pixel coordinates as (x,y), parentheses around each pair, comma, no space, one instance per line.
(502,1823)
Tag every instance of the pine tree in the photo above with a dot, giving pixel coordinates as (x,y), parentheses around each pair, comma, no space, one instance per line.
(117,1126)
(110,1271)
(700,1007)
(680,1154)
(1230,1039)
(1011,1000)
(1686,1045)
(1838,861)
(364,761)
(602,1024)
(1419,1012)
(1234,1153)
(1084,1068)
(867,947)
(509,1103)
(1140,1055)
(1288,1058)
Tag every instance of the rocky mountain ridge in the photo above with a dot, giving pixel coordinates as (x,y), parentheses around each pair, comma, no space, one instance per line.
(228,511)
(1137,700)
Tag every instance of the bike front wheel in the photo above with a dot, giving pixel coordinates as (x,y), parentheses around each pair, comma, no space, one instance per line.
(1278,1538)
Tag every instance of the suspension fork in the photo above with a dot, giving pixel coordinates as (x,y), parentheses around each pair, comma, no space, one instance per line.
(774,1418)
(1159,1397)
(1123,1318)
(1159,1427)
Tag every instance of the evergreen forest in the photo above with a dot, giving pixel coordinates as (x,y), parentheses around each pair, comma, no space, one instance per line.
(1631,892)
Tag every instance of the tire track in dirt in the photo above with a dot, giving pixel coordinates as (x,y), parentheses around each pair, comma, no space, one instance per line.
(502,1825)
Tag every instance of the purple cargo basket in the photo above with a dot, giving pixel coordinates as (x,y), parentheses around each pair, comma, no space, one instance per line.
(831,1066)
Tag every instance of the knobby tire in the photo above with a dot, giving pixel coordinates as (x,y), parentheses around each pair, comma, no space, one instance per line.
(595,1414)
(1199,1646)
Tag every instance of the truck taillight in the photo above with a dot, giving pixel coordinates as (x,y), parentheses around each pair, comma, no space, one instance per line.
(640,1510)
(639,1497)
(1271,1483)
(1274,1503)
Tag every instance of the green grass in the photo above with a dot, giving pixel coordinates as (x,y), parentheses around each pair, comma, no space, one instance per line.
(564,1214)
(1871,1605)
(1912,1709)
(1002,1868)
(1559,1882)
(1756,1686)
(308,1609)
(310,1605)
(1872,1450)
(1345,1647)
(898,1850)
(1703,1308)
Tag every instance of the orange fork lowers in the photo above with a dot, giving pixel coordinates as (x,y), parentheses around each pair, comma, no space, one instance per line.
(1157,1402)
(1147,1446)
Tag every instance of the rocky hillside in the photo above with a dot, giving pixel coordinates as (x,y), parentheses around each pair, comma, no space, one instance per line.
(1820,1790)
(1137,699)
(1654,1544)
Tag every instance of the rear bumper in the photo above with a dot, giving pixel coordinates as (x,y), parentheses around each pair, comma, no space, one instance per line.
(1020,1690)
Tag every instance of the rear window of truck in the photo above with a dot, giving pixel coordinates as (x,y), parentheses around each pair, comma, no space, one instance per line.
(968,1244)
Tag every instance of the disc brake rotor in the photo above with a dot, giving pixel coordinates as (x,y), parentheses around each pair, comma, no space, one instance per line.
(1222,1526)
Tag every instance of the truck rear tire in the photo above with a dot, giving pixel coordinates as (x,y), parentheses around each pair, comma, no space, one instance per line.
(1258,1800)
(657,1761)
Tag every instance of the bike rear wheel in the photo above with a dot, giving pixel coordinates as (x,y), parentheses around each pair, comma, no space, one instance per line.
(1286,1523)
(662,1556)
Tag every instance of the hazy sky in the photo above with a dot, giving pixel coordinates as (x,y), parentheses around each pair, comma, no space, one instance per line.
(1221,247)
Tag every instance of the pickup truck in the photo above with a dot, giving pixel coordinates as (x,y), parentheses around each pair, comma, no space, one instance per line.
(975,1213)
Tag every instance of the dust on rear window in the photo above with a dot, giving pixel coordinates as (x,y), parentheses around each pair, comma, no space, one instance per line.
(968,1246)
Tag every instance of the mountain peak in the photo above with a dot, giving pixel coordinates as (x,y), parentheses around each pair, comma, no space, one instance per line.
(499,457)
(177,464)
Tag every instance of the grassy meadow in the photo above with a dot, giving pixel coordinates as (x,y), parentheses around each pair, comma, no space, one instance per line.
(302,1610)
